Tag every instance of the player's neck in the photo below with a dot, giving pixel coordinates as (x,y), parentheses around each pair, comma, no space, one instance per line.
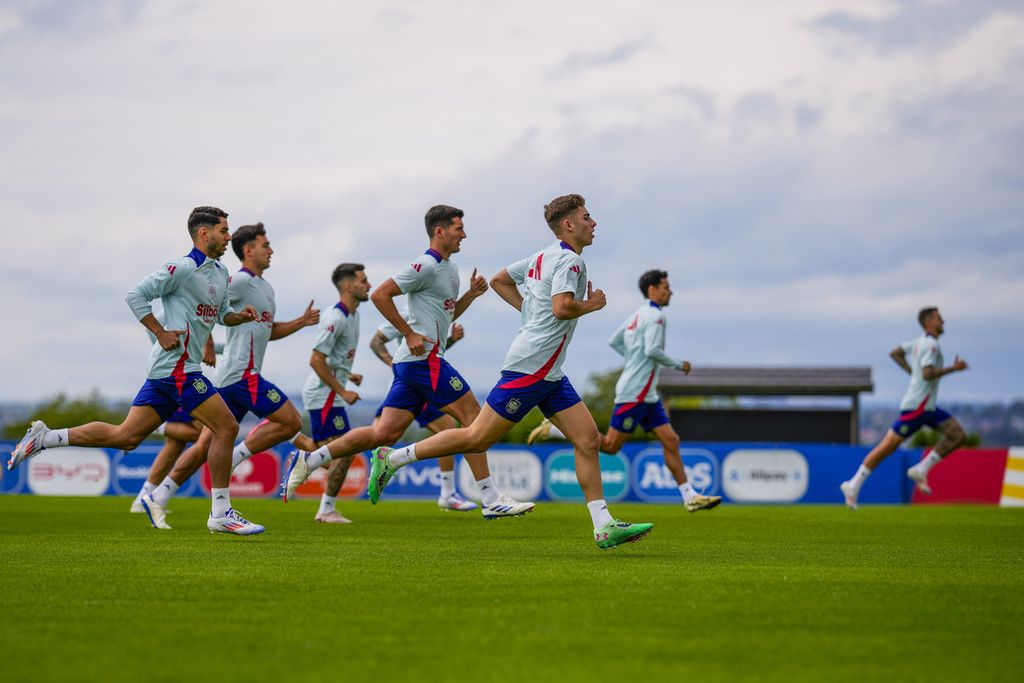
(207,250)
(444,253)
(252,269)
(349,302)
(568,241)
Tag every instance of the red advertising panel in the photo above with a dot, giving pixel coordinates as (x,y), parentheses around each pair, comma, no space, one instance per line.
(969,475)
(255,477)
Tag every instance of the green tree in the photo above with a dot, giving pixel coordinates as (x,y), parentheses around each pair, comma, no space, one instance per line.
(61,411)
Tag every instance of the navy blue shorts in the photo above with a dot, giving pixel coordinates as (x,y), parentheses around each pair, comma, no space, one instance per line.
(514,396)
(180,416)
(626,417)
(167,395)
(428,413)
(253,394)
(424,381)
(328,423)
(912,420)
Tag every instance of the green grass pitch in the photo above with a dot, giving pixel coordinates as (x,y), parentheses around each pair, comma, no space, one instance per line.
(407,592)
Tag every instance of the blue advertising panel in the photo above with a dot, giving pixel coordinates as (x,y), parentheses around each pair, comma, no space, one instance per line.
(739,472)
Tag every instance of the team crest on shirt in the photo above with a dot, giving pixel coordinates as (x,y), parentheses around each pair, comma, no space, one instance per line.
(200,386)
(213,291)
(456,383)
(273,396)
(627,424)
(339,422)
(512,407)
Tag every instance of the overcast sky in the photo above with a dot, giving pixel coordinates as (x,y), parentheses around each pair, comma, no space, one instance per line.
(810,173)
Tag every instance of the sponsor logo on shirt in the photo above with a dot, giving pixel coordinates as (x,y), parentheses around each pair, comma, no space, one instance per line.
(417,266)
(171,268)
(206,311)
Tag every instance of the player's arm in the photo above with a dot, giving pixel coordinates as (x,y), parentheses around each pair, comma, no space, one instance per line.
(506,287)
(654,346)
(457,333)
(931,372)
(384,299)
(246,315)
(164,281)
(309,317)
(318,361)
(618,340)
(564,305)
(379,346)
(899,356)
(210,352)
(477,287)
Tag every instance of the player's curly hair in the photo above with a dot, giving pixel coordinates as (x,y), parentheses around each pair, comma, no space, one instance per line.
(925,313)
(243,236)
(559,208)
(345,271)
(440,216)
(652,278)
(204,216)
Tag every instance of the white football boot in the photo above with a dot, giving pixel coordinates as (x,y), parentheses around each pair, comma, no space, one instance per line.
(156,512)
(702,502)
(296,473)
(505,507)
(455,502)
(849,495)
(31,444)
(920,480)
(333,517)
(233,523)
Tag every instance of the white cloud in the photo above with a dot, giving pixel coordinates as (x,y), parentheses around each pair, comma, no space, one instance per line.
(802,179)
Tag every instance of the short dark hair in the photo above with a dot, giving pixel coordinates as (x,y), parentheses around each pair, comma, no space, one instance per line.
(243,236)
(204,216)
(441,215)
(652,278)
(925,313)
(558,208)
(345,271)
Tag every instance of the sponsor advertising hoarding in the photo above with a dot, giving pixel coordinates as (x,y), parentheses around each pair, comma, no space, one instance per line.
(740,473)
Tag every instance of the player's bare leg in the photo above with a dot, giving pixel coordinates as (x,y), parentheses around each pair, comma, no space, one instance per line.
(483,433)
(953,437)
(140,422)
(692,499)
(886,447)
(449,498)
(176,438)
(214,414)
(387,429)
(125,436)
(278,427)
(578,425)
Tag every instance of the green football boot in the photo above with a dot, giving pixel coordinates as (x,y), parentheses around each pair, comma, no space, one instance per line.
(618,532)
(381,472)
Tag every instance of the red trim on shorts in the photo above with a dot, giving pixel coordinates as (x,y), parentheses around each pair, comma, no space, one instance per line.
(251,378)
(178,373)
